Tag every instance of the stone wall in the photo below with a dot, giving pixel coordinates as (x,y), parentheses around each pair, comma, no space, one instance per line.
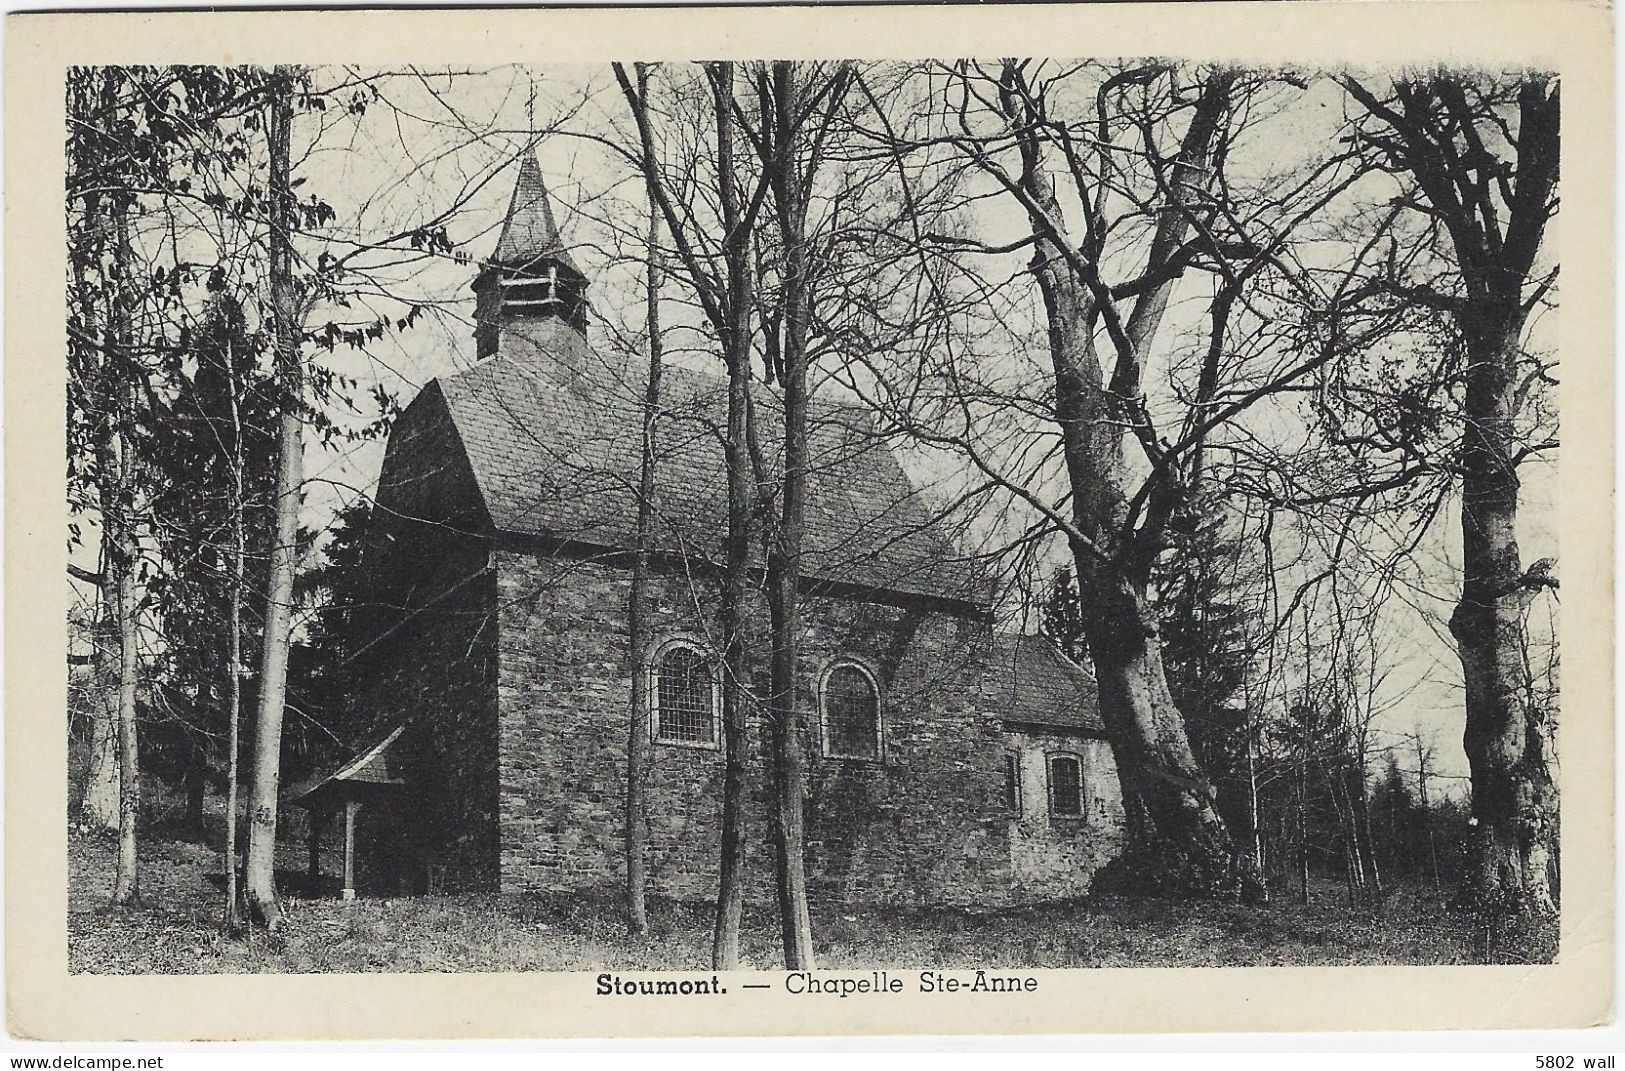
(1054,857)
(922,824)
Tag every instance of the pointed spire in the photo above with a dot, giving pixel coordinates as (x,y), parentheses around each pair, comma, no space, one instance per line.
(530,234)
(529,278)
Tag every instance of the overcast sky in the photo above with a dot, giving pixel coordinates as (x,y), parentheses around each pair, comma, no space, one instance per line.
(443,139)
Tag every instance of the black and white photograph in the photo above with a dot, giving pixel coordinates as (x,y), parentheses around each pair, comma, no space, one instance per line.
(933,521)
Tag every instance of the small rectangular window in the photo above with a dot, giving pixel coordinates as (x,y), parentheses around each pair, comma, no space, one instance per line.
(1065,786)
(1012,782)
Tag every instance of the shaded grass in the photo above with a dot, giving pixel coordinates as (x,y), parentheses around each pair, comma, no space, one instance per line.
(176,930)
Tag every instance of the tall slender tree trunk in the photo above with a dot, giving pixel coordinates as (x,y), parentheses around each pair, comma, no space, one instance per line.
(232,915)
(98,806)
(1303,833)
(736,569)
(789,833)
(727,306)
(637,744)
(1422,773)
(1364,802)
(1353,861)
(261,870)
(98,802)
(785,547)
(125,553)
(126,879)
(1252,789)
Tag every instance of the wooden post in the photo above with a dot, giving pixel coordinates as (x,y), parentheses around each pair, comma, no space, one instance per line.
(314,841)
(350,808)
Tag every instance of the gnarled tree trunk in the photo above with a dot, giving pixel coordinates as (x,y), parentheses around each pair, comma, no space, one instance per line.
(1177,842)
(1514,797)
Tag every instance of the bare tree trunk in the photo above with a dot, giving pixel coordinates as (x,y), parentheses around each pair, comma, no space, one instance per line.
(121,532)
(736,581)
(785,546)
(1353,863)
(98,802)
(232,916)
(637,743)
(1252,790)
(1364,802)
(727,305)
(1177,842)
(1423,761)
(1493,194)
(1303,829)
(261,870)
(126,880)
(1514,796)
(98,806)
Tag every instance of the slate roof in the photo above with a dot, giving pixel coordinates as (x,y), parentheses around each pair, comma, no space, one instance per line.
(1033,683)
(529,233)
(552,433)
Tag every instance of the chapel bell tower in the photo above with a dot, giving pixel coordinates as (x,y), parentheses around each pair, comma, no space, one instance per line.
(530,277)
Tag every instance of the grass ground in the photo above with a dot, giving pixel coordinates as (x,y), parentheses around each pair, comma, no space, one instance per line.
(177,931)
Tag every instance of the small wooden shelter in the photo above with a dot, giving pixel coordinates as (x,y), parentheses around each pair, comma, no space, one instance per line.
(368,778)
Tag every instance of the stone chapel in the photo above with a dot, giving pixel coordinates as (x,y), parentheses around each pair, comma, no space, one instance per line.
(948,762)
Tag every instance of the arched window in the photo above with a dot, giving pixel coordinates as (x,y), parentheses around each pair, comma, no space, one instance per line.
(1065,786)
(850,712)
(684,697)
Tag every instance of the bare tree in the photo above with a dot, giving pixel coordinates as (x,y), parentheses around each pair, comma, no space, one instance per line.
(637,744)
(1176,836)
(1483,156)
(724,285)
(791,99)
(1423,751)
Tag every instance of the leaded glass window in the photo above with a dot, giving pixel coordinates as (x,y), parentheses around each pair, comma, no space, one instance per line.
(1065,786)
(685,698)
(851,714)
